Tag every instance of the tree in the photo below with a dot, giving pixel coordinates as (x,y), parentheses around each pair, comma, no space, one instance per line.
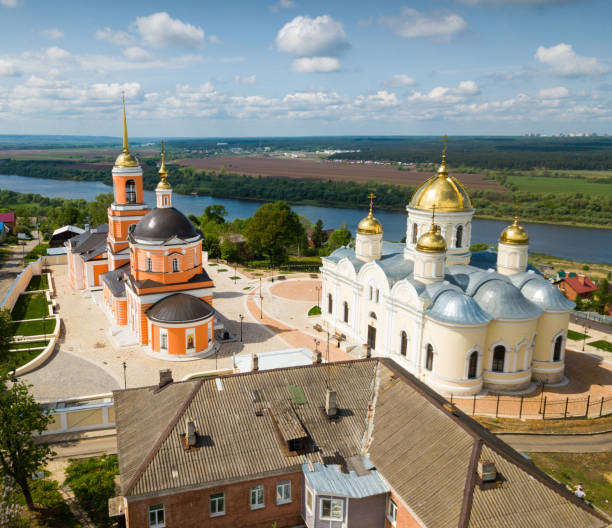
(216,213)
(340,237)
(318,235)
(211,243)
(20,418)
(194,220)
(272,230)
(6,339)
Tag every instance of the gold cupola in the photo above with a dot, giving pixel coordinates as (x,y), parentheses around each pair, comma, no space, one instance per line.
(442,192)
(163,173)
(514,234)
(370,225)
(125,159)
(432,241)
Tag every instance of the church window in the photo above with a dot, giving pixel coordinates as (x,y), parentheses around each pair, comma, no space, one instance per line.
(415,233)
(130,191)
(330,303)
(459,237)
(195,258)
(558,348)
(372,315)
(175,265)
(403,343)
(346,312)
(164,339)
(499,356)
(165,200)
(149,264)
(377,294)
(473,365)
(371,293)
(429,358)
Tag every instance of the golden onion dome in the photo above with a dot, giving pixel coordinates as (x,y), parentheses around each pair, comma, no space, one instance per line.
(369,226)
(442,192)
(432,241)
(163,173)
(514,234)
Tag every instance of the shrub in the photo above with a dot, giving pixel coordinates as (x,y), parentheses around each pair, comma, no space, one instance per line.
(315,310)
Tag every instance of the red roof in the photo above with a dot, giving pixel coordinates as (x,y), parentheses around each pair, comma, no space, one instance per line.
(7,217)
(580,284)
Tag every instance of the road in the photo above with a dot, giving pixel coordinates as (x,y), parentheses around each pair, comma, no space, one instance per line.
(597,443)
(13,264)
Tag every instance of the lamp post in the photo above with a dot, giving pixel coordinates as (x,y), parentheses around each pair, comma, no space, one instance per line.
(584,338)
(124,364)
(241,319)
(235,278)
(260,301)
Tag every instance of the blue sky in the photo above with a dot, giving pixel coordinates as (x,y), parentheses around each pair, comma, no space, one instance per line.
(297,67)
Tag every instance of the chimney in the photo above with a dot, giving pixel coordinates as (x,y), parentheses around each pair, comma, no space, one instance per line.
(331,408)
(255,363)
(190,434)
(581,279)
(165,378)
(367,351)
(487,471)
(317,357)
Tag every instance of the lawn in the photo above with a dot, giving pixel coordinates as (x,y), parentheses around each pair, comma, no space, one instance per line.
(602,345)
(31,344)
(575,336)
(33,306)
(31,328)
(542,184)
(18,359)
(592,470)
(38,282)
(93,483)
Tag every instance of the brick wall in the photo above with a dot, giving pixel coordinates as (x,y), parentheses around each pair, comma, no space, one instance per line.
(404,517)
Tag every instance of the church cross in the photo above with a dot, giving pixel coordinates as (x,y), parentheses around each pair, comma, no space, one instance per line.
(371,196)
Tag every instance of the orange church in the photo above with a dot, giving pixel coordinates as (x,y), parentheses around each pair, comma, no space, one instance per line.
(153,278)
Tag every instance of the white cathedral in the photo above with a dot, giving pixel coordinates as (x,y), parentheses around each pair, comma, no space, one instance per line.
(459,321)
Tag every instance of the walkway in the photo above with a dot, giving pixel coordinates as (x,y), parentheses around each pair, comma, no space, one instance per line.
(13,264)
(552,443)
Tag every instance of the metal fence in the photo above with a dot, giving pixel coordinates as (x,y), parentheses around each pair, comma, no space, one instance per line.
(540,407)
(592,320)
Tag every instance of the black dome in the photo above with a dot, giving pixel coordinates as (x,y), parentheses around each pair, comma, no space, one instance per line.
(164,223)
(179,308)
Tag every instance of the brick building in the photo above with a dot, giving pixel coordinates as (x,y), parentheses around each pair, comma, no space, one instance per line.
(576,286)
(349,444)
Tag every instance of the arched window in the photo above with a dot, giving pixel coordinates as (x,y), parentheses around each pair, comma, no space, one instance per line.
(558,348)
(499,356)
(130,191)
(149,264)
(429,358)
(372,315)
(165,200)
(473,365)
(415,233)
(346,312)
(403,343)
(175,265)
(459,237)
(330,303)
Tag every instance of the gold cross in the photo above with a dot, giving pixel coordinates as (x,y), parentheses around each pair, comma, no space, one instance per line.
(371,196)
(445,141)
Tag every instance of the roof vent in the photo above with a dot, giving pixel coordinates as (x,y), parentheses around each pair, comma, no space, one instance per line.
(165,378)
(331,408)
(191,437)
(487,471)
(255,363)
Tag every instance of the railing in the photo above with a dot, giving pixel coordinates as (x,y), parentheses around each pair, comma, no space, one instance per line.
(602,323)
(538,407)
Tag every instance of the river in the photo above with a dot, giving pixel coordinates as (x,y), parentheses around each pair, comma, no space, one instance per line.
(583,244)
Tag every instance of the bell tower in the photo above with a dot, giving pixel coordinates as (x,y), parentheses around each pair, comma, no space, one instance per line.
(128,206)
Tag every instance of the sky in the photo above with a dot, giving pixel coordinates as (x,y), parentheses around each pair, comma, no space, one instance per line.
(305,67)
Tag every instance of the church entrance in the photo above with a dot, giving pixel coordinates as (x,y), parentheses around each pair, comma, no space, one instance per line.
(372,337)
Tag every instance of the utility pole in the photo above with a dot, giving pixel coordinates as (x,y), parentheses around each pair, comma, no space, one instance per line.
(124,375)
(241,319)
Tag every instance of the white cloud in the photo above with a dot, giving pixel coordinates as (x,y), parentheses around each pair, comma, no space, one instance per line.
(311,98)
(120,38)
(57,55)
(8,68)
(312,37)
(467,88)
(411,23)
(246,79)
(161,31)
(315,64)
(283,4)
(563,60)
(380,99)
(446,95)
(136,53)
(9,3)
(401,79)
(53,33)
(553,93)
(112,92)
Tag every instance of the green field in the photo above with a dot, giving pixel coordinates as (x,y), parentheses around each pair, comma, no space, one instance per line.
(29,345)
(30,306)
(34,328)
(542,184)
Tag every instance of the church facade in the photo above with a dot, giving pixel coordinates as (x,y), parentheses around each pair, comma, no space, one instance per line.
(460,321)
(154,282)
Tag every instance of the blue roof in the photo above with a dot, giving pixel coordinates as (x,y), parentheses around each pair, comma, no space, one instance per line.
(452,306)
(330,479)
(500,299)
(548,297)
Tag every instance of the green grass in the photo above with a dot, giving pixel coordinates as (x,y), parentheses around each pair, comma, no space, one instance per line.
(31,344)
(542,184)
(234,277)
(93,483)
(18,359)
(213,264)
(30,328)
(315,310)
(588,469)
(54,512)
(575,336)
(602,345)
(38,282)
(31,306)
(221,269)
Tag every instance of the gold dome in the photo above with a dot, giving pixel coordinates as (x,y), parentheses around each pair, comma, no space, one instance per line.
(125,159)
(432,241)
(443,192)
(163,173)
(370,225)
(514,234)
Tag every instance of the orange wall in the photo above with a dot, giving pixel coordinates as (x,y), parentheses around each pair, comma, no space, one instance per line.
(119,188)
(99,269)
(162,265)
(177,340)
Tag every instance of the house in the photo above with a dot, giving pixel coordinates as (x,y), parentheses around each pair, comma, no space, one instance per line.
(9,220)
(62,234)
(359,444)
(87,257)
(576,286)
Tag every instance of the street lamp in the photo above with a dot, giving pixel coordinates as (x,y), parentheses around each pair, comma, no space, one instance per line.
(124,364)
(235,276)
(584,338)
(260,301)
(241,318)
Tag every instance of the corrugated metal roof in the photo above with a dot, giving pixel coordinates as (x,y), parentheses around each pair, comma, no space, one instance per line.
(331,479)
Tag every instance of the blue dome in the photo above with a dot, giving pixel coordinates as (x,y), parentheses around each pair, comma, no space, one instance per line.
(452,306)
(500,299)
(541,292)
